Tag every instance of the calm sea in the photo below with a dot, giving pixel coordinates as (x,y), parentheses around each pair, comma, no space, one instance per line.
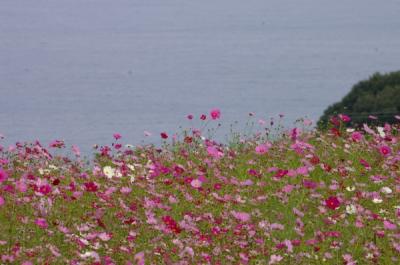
(81,70)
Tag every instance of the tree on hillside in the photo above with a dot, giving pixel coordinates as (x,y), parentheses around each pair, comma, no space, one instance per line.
(378,96)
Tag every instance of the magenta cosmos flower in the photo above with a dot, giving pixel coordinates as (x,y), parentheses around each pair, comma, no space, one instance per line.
(3,175)
(385,150)
(117,136)
(41,222)
(332,202)
(344,117)
(215,114)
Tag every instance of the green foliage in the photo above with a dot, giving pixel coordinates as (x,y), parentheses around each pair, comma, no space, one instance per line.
(378,96)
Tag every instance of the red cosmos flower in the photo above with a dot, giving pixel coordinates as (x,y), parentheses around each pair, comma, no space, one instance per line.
(56,182)
(171,224)
(91,186)
(203,117)
(164,135)
(281,173)
(190,117)
(215,114)
(188,139)
(315,160)
(335,132)
(332,202)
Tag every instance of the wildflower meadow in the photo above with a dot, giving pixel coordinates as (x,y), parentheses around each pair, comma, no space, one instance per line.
(271,196)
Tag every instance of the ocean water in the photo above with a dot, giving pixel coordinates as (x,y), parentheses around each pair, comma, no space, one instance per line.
(81,70)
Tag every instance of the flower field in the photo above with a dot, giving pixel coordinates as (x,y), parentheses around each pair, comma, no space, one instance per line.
(305,197)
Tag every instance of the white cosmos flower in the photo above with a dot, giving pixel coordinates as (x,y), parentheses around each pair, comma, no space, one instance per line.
(132,178)
(53,167)
(111,172)
(386,190)
(381,131)
(131,167)
(369,256)
(90,254)
(351,209)
(43,171)
(377,200)
(383,211)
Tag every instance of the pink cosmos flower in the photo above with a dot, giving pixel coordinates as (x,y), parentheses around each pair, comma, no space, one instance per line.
(125,190)
(196,183)
(288,245)
(389,226)
(288,188)
(275,259)
(190,117)
(214,152)
(348,259)
(57,144)
(241,216)
(76,150)
(262,148)
(104,236)
(307,122)
(42,223)
(7,258)
(139,258)
(302,170)
(215,114)
(385,150)
(356,136)
(3,175)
